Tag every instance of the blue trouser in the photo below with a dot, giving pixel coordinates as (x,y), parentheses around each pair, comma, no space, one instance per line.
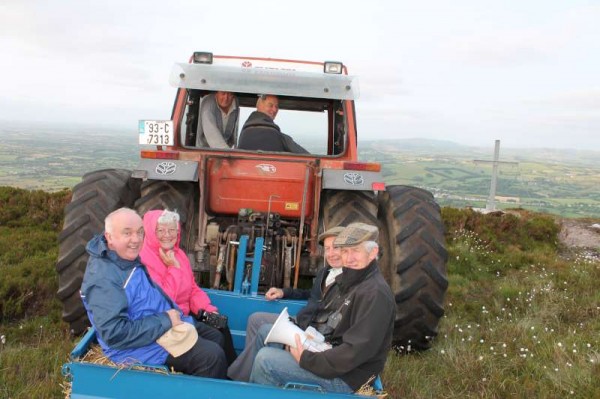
(259,325)
(274,366)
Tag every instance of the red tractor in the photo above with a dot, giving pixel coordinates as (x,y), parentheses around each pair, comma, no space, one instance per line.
(283,198)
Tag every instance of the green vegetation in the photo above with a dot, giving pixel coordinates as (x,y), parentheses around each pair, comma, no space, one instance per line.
(34,343)
(53,159)
(521,319)
(522,312)
(565,183)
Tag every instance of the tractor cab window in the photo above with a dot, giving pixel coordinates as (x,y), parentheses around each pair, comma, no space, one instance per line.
(204,124)
(189,124)
(308,129)
(318,125)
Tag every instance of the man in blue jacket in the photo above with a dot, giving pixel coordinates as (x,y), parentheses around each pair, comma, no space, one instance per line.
(129,312)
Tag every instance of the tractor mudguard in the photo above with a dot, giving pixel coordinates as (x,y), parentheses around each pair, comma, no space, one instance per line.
(340,179)
(161,169)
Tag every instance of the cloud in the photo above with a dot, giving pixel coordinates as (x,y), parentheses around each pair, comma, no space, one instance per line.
(505,48)
(546,39)
(467,71)
(588,100)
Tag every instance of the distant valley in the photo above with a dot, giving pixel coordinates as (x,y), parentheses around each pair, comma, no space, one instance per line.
(563,182)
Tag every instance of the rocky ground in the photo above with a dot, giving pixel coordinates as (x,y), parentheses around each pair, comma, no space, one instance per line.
(582,236)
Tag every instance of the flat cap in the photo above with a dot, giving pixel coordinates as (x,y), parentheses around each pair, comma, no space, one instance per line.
(355,233)
(332,232)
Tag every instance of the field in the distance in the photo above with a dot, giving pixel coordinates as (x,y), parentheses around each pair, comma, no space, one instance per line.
(49,158)
(562,182)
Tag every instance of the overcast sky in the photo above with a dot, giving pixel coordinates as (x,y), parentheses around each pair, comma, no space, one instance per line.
(470,71)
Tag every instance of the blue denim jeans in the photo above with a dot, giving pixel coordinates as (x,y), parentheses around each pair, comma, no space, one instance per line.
(241,368)
(274,366)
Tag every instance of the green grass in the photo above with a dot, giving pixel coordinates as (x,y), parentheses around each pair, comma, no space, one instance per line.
(522,314)
(34,342)
(31,357)
(521,321)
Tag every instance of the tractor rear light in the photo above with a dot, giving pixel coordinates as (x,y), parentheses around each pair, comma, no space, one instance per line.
(378,186)
(370,167)
(160,154)
(202,57)
(333,67)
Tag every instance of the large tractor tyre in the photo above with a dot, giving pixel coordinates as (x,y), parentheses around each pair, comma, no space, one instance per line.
(340,208)
(99,193)
(413,261)
(176,196)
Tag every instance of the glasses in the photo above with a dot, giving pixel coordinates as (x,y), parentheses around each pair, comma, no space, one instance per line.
(164,232)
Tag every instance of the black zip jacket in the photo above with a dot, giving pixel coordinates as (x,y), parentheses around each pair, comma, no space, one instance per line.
(261,133)
(318,297)
(362,328)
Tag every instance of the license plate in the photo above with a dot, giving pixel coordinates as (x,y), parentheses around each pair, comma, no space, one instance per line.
(156,132)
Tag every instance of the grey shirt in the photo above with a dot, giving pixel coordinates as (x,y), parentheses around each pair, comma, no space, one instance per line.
(217,129)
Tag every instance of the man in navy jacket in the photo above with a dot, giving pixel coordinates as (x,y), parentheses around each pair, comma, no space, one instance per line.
(260,132)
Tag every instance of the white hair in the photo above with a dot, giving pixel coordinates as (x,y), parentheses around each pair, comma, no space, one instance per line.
(168,217)
(108,221)
(370,245)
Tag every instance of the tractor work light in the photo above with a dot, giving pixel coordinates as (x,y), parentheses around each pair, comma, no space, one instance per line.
(378,186)
(366,166)
(332,67)
(159,154)
(201,57)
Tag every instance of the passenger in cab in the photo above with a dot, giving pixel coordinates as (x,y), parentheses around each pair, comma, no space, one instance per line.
(261,133)
(218,120)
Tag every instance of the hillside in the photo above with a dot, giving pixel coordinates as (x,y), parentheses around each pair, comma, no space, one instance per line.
(522,310)
(561,182)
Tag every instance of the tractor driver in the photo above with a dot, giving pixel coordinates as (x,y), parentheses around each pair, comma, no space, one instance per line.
(261,133)
(218,120)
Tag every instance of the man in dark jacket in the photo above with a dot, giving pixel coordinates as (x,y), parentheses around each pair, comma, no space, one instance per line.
(130,313)
(260,323)
(358,323)
(261,133)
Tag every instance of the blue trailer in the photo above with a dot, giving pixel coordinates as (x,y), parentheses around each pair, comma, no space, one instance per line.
(100,381)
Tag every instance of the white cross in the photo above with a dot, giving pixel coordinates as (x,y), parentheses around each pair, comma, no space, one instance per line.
(491,202)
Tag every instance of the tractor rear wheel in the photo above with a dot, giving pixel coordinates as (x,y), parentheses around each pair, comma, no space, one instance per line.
(340,208)
(99,193)
(413,262)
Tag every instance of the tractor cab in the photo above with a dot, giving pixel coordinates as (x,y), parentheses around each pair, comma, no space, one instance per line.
(314,98)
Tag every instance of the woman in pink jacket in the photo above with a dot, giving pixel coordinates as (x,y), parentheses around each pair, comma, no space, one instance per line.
(170,268)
